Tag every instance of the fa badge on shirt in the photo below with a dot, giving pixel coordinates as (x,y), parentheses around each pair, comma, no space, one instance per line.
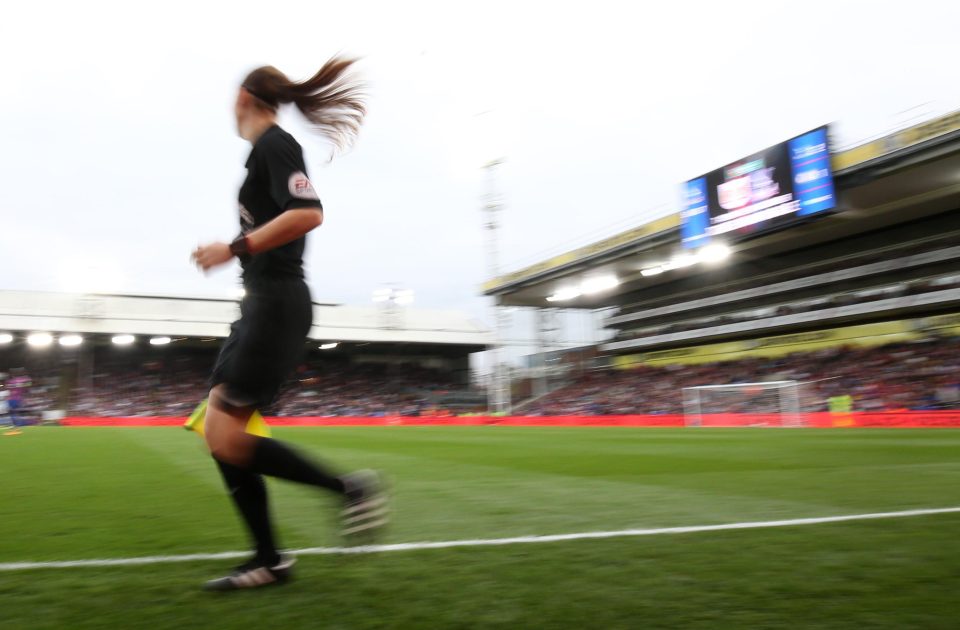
(300,186)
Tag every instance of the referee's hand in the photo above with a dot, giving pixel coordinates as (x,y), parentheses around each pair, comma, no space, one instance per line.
(206,257)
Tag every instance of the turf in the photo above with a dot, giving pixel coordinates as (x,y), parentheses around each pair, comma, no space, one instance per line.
(119,492)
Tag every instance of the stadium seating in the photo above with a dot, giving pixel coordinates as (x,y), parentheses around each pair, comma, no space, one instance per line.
(917,375)
(826,302)
(920,375)
(174,388)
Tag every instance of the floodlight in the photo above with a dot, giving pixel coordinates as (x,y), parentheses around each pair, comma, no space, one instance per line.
(714,253)
(71,340)
(680,261)
(564,294)
(39,340)
(123,340)
(598,284)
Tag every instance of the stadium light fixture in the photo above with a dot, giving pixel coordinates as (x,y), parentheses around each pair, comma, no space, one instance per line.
(564,294)
(159,341)
(329,346)
(651,271)
(5,338)
(69,341)
(680,261)
(39,340)
(714,253)
(598,284)
(123,340)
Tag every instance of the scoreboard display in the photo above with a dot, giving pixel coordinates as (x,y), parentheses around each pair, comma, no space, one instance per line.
(766,191)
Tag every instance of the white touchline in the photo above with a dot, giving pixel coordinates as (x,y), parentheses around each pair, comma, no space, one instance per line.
(479,542)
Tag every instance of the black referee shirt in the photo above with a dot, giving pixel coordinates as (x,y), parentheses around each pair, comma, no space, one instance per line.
(276,181)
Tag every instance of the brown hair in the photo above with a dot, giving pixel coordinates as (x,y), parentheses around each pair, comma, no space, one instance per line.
(332,99)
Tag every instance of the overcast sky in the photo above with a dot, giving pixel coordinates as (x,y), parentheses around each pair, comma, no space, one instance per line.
(119,152)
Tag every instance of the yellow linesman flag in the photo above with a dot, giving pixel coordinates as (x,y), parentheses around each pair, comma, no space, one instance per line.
(256,425)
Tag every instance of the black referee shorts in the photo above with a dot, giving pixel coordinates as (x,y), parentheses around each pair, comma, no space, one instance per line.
(266,343)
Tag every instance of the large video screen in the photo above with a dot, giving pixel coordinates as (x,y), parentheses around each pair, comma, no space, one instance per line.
(766,191)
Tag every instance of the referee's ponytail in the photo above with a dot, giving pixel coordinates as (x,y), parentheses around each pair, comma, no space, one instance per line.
(332,99)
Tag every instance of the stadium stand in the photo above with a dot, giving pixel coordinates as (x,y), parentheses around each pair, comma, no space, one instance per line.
(173,388)
(920,375)
(863,278)
(383,361)
(828,301)
(875,377)
(782,302)
(320,389)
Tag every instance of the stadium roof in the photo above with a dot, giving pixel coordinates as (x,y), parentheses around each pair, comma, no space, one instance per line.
(903,176)
(194,317)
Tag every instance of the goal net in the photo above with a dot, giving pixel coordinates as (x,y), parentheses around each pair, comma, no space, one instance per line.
(769,404)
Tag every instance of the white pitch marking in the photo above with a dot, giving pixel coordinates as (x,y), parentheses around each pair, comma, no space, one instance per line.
(479,542)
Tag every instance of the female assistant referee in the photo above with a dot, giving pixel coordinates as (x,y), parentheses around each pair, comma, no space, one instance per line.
(278,206)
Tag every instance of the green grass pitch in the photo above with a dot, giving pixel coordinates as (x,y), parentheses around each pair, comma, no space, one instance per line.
(81,493)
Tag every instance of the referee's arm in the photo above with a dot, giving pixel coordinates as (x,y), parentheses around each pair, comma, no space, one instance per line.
(287,226)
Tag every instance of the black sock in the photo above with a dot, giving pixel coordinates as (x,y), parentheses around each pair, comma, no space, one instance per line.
(276,459)
(249,494)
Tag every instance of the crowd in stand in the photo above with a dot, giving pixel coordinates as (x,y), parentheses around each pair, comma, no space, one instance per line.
(916,375)
(174,388)
(361,390)
(148,389)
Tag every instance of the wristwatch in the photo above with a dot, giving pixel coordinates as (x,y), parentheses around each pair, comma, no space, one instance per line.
(240,246)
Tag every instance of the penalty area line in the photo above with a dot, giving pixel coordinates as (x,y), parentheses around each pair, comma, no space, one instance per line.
(478,542)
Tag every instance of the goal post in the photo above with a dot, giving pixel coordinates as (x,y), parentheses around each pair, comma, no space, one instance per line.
(766,404)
